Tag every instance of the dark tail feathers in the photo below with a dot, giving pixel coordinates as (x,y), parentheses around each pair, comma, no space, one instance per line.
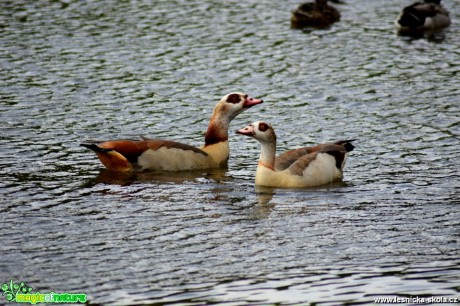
(347,144)
(95,147)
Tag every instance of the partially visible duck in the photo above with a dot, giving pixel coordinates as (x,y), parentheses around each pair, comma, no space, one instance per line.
(314,14)
(303,167)
(420,16)
(158,154)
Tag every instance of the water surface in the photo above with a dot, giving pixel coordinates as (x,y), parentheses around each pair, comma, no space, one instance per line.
(75,70)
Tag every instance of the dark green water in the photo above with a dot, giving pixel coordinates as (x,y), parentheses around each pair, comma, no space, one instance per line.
(78,70)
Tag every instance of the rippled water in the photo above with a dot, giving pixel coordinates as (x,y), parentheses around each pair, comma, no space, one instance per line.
(79,70)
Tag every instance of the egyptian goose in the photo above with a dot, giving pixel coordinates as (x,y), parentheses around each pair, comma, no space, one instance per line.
(157,154)
(303,167)
(318,14)
(420,16)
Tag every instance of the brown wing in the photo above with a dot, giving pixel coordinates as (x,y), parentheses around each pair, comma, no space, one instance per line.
(286,159)
(337,151)
(155,144)
(132,149)
(302,163)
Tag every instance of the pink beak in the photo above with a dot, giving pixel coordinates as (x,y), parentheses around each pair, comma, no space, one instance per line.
(248,131)
(249,102)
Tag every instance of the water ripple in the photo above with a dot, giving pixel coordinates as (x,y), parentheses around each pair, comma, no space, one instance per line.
(74,71)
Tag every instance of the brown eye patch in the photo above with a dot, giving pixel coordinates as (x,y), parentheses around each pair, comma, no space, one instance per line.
(263,126)
(233,98)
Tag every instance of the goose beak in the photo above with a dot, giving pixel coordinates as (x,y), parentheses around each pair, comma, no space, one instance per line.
(248,131)
(250,101)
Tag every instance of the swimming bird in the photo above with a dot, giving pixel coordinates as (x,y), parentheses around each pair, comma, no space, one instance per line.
(314,14)
(167,155)
(302,167)
(420,16)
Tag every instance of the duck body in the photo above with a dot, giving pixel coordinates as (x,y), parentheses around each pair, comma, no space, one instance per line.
(166,155)
(303,167)
(314,14)
(421,16)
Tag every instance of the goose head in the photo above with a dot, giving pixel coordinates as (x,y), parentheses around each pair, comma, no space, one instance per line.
(234,104)
(230,106)
(261,131)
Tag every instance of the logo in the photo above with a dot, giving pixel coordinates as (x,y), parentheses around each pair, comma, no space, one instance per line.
(21,293)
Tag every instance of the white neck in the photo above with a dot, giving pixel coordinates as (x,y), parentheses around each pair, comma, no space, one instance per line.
(267,155)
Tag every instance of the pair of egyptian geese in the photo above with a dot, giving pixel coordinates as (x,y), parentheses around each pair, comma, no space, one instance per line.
(419,16)
(302,167)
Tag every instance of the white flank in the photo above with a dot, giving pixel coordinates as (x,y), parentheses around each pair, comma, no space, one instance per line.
(319,172)
(173,159)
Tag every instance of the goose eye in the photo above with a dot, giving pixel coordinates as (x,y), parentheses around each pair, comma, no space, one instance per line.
(263,127)
(233,98)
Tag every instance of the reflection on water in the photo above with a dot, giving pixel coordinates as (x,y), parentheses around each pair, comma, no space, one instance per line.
(74,70)
(266,194)
(127,178)
(435,35)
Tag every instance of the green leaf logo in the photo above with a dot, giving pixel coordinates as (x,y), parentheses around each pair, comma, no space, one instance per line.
(11,289)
